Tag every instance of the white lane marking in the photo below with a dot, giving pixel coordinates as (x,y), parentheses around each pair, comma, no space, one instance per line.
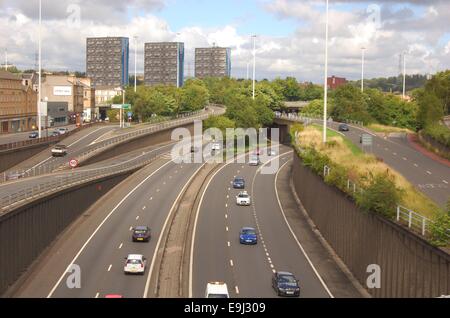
(144,207)
(295,236)
(96,140)
(226,216)
(151,198)
(226,205)
(147,285)
(394,153)
(445,181)
(237,290)
(157,190)
(131,228)
(227,229)
(82,138)
(97,295)
(109,268)
(429,173)
(416,165)
(100,226)
(404,158)
(231,263)
(137,218)
(120,246)
(229,244)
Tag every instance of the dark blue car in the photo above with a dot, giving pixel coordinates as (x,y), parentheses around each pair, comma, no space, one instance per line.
(239,183)
(248,236)
(33,135)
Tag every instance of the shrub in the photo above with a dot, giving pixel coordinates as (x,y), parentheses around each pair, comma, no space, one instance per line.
(440,233)
(439,132)
(380,195)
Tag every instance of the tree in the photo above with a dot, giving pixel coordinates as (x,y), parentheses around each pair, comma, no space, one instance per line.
(350,104)
(219,122)
(431,108)
(194,96)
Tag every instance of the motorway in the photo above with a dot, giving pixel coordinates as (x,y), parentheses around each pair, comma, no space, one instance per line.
(21,136)
(99,241)
(427,175)
(247,270)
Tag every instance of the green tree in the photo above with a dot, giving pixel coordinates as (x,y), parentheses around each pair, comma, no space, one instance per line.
(350,104)
(194,96)
(431,109)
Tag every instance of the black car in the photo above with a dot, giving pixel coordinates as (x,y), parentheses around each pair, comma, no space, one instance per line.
(141,234)
(239,183)
(285,284)
(344,127)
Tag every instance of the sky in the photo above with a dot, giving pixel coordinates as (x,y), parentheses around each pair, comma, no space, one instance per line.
(290,33)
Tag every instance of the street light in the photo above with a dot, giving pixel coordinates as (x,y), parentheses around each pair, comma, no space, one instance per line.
(325,99)
(40,71)
(363,49)
(404,75)
(135,62)
(254,64)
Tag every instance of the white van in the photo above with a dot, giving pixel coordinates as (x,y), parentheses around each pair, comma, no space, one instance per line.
(216,290)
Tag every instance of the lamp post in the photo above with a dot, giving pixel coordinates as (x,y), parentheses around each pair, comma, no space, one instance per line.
(135,62)
(404,75)
(325,99)
(254,65)
(40,71)
(363,49)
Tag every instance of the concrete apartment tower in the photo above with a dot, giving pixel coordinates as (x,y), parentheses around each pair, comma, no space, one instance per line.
(164,63)
(107,61)
(212,62)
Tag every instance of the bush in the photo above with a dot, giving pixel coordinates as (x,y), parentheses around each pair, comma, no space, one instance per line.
(315,160)
(440,233)
(380,195)
(438,132)
(338,177)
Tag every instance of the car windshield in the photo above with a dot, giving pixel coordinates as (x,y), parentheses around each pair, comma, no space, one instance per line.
(243,195)
(134,261)
(254,158)
(287,279)
(238,180)
(248,232)
(140,231)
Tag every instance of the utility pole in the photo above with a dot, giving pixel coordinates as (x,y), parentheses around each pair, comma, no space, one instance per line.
(40,71)
(254,64)
(404,75)
(362,70)
(325,98)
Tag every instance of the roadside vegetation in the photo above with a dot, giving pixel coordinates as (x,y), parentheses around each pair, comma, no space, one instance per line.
(379,188)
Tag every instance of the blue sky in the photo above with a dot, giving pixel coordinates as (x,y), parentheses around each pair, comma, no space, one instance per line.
(248,16)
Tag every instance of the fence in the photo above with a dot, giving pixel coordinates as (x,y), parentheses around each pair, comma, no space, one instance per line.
(309,118)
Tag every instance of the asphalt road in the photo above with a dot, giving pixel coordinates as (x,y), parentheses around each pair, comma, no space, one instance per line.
(15,137)
(427,175)
(247,270)
(101,259)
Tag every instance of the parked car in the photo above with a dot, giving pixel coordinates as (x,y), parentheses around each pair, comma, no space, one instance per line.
(33,135)
(55,133)
(285,284)
(62,130)
(216,290)
(135,264)
(344,127)
(248,236)
(59,151)
(239,183)
(141,234)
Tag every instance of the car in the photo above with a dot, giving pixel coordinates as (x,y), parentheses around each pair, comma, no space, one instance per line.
(55,133)
(59,151)
(216,146)
(285,284)
(243,199)
(248,236)
(62,130)
(135,264)
(239,183)
(254,160)
(141,234)
(344,127)
(217,290)
(14,175)
(33,135)
(271,153)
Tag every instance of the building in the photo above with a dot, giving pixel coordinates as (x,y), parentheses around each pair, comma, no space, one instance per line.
(62,88)
(164,63)
(57,114)
(103,98)
(212,62)
(334,82)
(90,111)
(18,104)
(107,61)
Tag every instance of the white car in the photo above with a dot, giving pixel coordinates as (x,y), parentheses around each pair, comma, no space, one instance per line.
(59,151)
(216,290)
(135,264)
(254,160)
(243,198)
(62,130)
(216,146)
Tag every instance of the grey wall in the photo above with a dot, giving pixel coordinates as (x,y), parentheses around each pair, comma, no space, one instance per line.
(28,230)
(410,267)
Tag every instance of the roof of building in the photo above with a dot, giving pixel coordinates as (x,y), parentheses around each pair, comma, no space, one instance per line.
(9,75)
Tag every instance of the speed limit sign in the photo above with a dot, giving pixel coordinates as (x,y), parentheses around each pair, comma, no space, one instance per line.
(73,163)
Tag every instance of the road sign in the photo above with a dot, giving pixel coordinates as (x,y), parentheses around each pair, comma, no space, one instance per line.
(366,140)
(73,163)
(126,106)
(121,106)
